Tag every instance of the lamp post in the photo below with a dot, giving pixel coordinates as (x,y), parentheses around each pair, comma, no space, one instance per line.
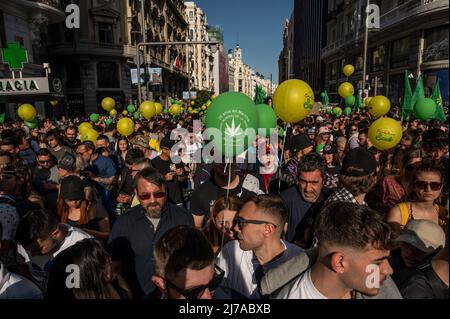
(149,44)
(366,38)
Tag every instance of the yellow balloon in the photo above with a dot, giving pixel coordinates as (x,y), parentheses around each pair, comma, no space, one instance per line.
(125,112)
(213,97)
(113,113)
(192,103)
(54,102)
(84,127)
(346,89)
(175,109)
(348,70)
(385,133)
(203,107)
(148,109)
(125,127)
(379,106)
(108,104)
(89,135)
(159,108)
(367,101)
(293,100)
(27,112)
(190,108)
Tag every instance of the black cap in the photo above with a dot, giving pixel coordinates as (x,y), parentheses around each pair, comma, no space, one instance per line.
(67,162)
(359,162)
(300,142)
(329,149)
(166,142)
(71,188)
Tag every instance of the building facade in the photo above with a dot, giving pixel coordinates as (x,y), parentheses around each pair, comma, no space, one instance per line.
(200,56)
(244,78)
(413,36)
(220,69)
(26,22)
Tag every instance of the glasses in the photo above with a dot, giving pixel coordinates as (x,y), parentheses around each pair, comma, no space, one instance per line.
(435,186)
(147,196)
(240,222)
(197,292)
(45,162)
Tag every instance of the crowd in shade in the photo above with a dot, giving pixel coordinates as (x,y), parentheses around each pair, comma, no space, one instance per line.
(321,214)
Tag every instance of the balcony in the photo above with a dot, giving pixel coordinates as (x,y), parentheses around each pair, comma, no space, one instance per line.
(90,48)
(51,9)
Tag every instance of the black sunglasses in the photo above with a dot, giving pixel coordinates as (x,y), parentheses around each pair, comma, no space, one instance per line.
(240,222)
(435,186)
(197,292)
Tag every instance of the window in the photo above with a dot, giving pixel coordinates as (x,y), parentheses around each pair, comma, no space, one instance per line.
(105,33)
(108,75)
(400,53)
(191,15)
(191,34)
(240,86)
(436,44)
(73,75)
(359,63)
(378,58)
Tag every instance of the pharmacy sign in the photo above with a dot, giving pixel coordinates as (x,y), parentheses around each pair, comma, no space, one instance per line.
(15,56)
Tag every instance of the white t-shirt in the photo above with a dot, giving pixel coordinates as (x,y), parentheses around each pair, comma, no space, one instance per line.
(13,286)
(239,267)
(40,265)
(301,288)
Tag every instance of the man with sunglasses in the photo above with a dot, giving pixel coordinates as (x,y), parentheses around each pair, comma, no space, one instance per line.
(184,265)
(46,177)
(259,226)
(136,231)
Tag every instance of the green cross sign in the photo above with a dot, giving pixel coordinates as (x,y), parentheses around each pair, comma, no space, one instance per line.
(14,56)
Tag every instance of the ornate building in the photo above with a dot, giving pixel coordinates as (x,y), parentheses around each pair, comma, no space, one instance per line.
(200,56)
(245,79)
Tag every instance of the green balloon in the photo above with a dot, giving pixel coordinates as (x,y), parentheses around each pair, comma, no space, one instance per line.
(319,148)
(94,117)
(425,109)
(131,108)
(350,101)
(232,113)
(31,125)
(322,94)
(137,116)
(337,111)
(108,121)
(267,119)
(281,132)
(347,111)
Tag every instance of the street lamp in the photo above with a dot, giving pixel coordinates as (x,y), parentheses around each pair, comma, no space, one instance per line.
(149,44)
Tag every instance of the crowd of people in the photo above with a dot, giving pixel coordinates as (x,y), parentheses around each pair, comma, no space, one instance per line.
(321,215)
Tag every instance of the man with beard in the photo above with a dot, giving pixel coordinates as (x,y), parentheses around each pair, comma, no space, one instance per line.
(71,137)
(137,230)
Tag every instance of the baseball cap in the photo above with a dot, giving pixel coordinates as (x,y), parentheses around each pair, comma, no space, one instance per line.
(359,162)
(141,141)
(423,235)
(67,162)
(319,119)
(300,142)
(311,131)
(329,149)
(71,188)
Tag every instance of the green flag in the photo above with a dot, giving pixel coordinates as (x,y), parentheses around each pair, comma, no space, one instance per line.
(260,95)
(2,117)
(419,92)
(437,97)
(407,107)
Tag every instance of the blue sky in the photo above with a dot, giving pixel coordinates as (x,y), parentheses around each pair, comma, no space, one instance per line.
(259,24)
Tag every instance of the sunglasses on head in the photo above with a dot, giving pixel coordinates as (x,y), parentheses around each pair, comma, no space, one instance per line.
(435,186)
(147,196)
(197,292)
(240,222)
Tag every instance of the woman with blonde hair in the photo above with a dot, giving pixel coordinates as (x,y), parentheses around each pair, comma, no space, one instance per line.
(219,228)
